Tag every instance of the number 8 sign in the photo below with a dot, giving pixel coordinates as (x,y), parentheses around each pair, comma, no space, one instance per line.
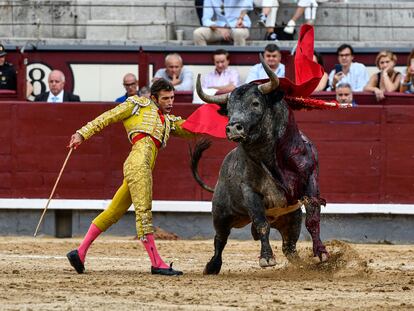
(37,74)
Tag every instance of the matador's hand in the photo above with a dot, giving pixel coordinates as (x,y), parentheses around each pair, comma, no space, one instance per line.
(75,140)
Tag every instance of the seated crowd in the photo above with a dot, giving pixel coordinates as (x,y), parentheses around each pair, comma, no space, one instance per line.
(229,20)
(345,78)
(347,73)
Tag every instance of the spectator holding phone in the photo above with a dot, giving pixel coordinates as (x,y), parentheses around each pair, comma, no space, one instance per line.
(347,71)
(407,84)
(387,79)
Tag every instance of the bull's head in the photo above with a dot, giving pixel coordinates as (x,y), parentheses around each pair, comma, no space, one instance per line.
(246,106)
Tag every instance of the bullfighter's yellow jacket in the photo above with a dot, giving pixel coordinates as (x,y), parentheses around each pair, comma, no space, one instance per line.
(139,115)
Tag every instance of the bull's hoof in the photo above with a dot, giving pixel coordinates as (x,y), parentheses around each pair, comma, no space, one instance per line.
(212,267)
(267,262)
(319,250)
(324,257)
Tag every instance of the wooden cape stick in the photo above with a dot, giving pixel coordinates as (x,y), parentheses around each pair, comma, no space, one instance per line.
(53,190)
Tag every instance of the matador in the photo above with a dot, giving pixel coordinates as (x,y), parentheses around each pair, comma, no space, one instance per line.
(148,123)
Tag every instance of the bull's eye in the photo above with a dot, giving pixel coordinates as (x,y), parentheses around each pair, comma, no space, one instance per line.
(255,104)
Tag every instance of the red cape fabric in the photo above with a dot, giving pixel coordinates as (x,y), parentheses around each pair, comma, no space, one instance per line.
(206,120)
(307,72)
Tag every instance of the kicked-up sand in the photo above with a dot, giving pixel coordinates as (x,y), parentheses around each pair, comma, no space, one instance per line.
(35,275)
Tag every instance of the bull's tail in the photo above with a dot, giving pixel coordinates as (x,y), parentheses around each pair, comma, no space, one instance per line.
(195,155)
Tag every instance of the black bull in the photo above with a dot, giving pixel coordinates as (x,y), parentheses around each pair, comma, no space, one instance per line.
(267,177)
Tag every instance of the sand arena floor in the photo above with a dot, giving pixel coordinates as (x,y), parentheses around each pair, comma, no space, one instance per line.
(35,275)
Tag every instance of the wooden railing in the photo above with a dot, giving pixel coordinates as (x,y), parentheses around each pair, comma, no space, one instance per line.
(366,153)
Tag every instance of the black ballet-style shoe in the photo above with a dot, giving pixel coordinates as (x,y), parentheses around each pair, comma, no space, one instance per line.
(75,261)
(165,271)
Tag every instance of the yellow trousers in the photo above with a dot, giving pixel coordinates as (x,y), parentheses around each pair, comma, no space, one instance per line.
(136,189)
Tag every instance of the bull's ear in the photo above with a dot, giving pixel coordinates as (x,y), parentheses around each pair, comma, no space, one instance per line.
(223,109)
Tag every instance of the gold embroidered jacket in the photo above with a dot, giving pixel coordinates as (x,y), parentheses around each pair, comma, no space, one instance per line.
(139,115)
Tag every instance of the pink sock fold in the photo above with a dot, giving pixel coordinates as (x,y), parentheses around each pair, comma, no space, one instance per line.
(90,236)
(152,251)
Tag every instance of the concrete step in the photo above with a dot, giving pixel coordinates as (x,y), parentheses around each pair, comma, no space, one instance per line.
(365,20)
(127,30)
(172,45)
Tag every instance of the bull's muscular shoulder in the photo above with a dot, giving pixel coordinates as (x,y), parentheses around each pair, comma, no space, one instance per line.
(137,100)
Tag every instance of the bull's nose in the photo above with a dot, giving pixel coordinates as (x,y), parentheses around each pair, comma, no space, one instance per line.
(235,127)
(235,131)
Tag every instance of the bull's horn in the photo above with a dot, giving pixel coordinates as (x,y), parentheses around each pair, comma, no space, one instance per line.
(267,87)
(217,99)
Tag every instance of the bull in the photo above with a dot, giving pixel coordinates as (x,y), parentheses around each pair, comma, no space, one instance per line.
(266,179)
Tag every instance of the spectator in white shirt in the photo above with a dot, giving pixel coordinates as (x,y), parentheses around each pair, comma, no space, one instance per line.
(223,78)
(347,71)
(272,58)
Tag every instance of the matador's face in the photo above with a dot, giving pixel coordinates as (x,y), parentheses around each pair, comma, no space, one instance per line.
(165,101)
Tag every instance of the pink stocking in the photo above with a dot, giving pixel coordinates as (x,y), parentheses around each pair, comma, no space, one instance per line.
(90,236)
(149,245)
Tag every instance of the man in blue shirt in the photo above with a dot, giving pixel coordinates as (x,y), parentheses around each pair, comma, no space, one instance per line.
(176,73)
(131,87)
(272,58)
(224,20)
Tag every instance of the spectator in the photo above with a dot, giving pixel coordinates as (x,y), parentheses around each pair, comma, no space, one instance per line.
(176,73)
(344,94)
(272,57)
(348,71)
(145,92)
(306,8)
(199,9)
(323,84)
(224,20)
(131,87)
(407,84)
(268,17)
(56,81)
(387,79)
(223,78)
(7,72)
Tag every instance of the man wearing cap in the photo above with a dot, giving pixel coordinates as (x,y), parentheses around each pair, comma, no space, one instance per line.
(7,72)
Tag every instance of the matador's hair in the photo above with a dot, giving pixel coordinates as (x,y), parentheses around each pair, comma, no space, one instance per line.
(161,85)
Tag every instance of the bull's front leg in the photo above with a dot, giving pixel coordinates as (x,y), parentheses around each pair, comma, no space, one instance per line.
(222,225)
(312,223)
(256,210)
